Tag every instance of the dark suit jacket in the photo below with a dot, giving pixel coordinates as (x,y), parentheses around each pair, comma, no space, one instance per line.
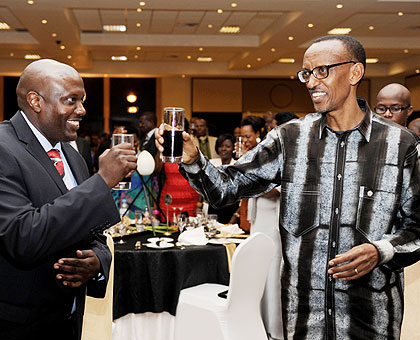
(150,146)
(83,146)
(40,222)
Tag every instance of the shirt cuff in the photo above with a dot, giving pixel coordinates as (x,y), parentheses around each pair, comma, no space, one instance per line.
(385,249)
(196,166)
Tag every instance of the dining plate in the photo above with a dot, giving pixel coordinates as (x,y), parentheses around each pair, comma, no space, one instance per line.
(159,246)
(157,239)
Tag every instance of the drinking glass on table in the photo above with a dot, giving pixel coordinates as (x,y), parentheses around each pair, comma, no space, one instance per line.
(173,119)
(182,222)
(119,138)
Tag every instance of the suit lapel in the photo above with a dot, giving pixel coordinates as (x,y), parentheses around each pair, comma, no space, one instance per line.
(71,155)
(25,135)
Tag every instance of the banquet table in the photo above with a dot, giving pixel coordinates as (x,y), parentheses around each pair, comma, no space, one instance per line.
(148,281)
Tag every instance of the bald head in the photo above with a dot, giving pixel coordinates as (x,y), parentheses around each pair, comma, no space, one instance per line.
(395,95)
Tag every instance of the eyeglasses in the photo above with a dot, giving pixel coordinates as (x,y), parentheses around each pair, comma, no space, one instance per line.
(394,109)
(319,72)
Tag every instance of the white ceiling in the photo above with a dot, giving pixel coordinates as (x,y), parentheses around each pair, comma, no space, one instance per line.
(171,33)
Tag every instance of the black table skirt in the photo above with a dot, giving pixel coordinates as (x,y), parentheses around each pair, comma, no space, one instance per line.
(150,280)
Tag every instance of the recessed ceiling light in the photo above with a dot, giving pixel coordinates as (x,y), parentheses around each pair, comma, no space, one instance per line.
(340,30)
(417,71)
(131,98)
(248,65)
(132,109)
(119,58)
(4,26)
(139,10)
(292,77)
(310,25)
(205,59)
(69,56)
(138,48)
(44,21)
(290,38)
(234,4)
(259,59)
(273,49)
(32,56)
(339,6)
(371,28)
(62,47)
(142,3)
(230,29)
(220,11)
(400,14)
(200,49)
(136,56)
(286,60)
(405,51)
(371,60)
(11,54)
(114,28)
(183,75)
(54,35)
(188,57)
(30,2)
(138,24)
(210,26)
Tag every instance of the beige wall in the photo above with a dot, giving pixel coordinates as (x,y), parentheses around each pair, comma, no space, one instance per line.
(413,84)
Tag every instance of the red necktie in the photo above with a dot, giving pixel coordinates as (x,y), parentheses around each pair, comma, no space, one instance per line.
(57,161)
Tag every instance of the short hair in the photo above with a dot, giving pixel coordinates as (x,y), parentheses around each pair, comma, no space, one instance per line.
(353,47)
(414,115)
(149,115)
(257,123)
(283,117)
(222,138)
(131,129)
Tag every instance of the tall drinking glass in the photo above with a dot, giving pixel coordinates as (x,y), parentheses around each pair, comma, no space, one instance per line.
(119,138)
(173,119)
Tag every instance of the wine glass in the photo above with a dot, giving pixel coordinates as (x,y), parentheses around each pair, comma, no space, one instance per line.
(182,222)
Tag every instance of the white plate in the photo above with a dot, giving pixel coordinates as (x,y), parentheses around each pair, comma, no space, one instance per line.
(154,245)
(225,240)
(156,239)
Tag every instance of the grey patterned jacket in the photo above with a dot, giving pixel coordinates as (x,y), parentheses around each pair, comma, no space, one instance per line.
(338,190)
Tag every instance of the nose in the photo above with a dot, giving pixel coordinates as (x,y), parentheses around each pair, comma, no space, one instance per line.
(388,113)
(80,110)
(312,82)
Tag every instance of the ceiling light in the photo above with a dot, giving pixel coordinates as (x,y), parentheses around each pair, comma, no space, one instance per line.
(142,3)
(32,56)
(114,28)
(62,47)
(131,98)
(132,109)
(290,38)
(273,49)
(234,4)
(371,28)
(44,21)
(339,6)
(230,29)
(405,51)
(220,11)
(205,59)
(4,26)
(183,75)
(30,2)
(200,49)
(259,59)
(248,65)
(417,71)
(119,58)
(371,60)
(210,26)
(139,10)
(12,54)
(69,56)
(188,57)
(310,25)
(340,30)
(138,24)
(138,48)
(292,77)
(286,60)
(54,35)
(136,56)
(400,14)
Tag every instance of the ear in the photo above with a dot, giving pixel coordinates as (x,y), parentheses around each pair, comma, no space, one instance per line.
(34,101)
(356,73)
(409,111)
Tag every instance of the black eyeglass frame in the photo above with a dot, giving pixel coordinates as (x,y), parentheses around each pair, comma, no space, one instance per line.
(389,108)
(303,80)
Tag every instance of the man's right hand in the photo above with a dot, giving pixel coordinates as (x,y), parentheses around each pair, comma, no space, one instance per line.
(116,163)
(189,153)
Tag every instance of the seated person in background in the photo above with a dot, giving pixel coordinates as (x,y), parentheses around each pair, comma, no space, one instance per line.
(413,122)
(394,102)
(203,141)
(237,132)
(224,148)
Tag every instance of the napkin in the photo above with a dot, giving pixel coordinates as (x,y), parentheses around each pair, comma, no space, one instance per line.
(194,236)
(232,229)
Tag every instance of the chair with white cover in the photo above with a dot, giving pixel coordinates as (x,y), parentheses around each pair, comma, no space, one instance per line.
(202,314)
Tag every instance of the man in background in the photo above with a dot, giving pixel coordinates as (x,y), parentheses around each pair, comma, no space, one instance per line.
(206,143)
(147,127)
(52,250)
(83,147)
(394,102)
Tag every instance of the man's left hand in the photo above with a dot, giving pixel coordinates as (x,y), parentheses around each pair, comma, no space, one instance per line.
(358,261)
(75,272)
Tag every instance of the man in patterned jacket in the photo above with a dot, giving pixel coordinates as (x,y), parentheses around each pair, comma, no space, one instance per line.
(350,202)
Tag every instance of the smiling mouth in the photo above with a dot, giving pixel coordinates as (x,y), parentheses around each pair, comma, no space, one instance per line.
(318,96)
(75,123)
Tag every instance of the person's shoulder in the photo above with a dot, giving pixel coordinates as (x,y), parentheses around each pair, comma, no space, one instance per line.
(395,129)
(6,130)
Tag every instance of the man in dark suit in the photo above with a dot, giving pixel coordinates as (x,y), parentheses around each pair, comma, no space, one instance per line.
(147,127)
(52,249)
(82,145)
